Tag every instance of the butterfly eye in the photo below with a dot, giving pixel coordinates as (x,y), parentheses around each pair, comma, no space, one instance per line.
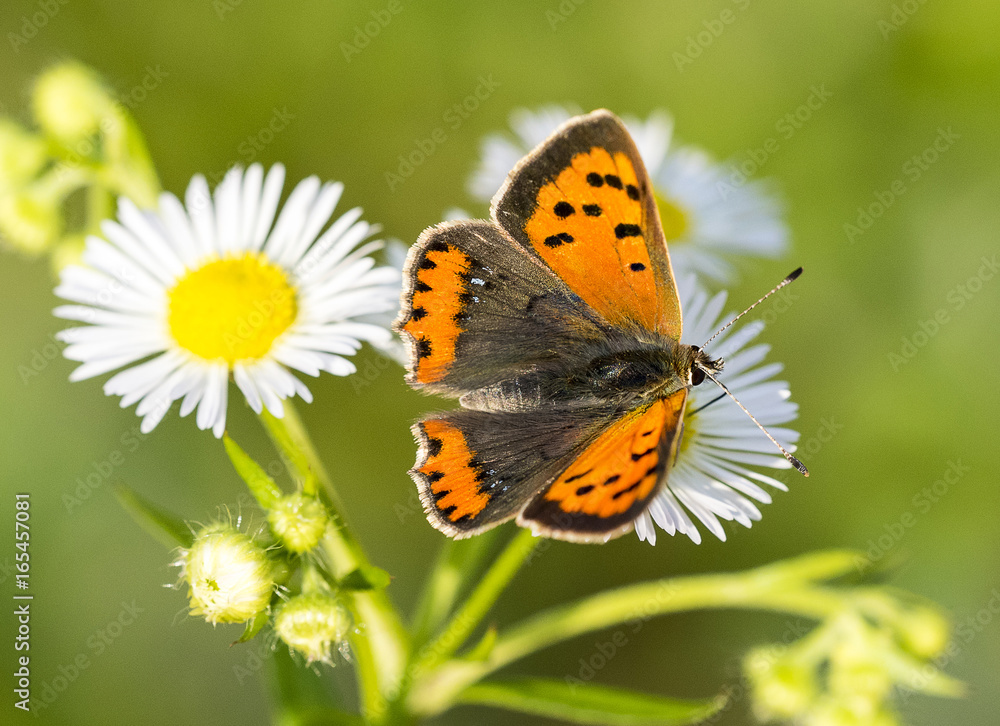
(697,376)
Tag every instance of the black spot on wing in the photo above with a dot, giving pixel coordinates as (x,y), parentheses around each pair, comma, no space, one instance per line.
(627,230)
(643,454)
(563,209)
(626,490)
(556,240)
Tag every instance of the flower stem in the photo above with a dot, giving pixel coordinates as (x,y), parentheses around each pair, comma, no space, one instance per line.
(379,640)
(457,563)
(787,587)
(460,627)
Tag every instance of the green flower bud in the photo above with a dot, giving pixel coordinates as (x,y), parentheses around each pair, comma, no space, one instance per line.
(230,576)
(862,685)
(298,521)
(830,712)
(30,222)
(923,631)
(312,624)
(782,689)
(22,155)
(70,101)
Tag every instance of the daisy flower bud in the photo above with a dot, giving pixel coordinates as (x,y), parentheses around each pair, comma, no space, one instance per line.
(923,631)
(312,624)
(780,689)
(29,221)
(22,155)
(230,576)
(829,712)
(298,521)
(70,101)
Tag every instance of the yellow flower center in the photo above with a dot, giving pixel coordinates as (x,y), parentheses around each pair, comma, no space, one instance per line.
(673,218)
(689,435)
(231,309)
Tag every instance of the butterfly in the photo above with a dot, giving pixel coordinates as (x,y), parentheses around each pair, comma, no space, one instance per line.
(557,325)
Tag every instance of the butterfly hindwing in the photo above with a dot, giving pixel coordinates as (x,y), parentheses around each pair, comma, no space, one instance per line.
(477,469)
(613,479)
(582,203)
(477,310)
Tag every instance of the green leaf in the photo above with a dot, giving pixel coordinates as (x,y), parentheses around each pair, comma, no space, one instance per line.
(481,651)
(161,524)
(368,577)
(254,626)
(457,565)
(263,488)
(588,703)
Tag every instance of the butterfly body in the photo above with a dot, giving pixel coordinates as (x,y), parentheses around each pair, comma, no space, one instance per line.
(557,325)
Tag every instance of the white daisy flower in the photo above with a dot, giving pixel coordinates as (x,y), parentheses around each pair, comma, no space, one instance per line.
(706,215)
(190,294)
(712,478)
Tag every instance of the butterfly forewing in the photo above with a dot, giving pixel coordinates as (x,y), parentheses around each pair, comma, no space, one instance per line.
(477,310)
(583,203)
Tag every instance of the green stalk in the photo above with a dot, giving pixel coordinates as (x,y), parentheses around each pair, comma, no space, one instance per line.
(379,641)
(457,563)
(481,599)
(784,587)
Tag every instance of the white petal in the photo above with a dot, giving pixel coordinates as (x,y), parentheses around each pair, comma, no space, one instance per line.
(150,236)
(273,183)
(246,385)
(292,218)
(198,202)
(317,218)
(179,229)
(253,182)
(228,196)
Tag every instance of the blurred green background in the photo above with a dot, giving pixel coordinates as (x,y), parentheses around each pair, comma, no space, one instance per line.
(875,434)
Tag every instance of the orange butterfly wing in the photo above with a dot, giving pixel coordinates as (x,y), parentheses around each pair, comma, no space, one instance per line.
(583,204)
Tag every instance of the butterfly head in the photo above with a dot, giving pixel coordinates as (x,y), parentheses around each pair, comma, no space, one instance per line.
(701,364)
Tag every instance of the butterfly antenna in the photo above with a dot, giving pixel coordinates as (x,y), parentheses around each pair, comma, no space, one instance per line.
(794,462)
(775,289)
